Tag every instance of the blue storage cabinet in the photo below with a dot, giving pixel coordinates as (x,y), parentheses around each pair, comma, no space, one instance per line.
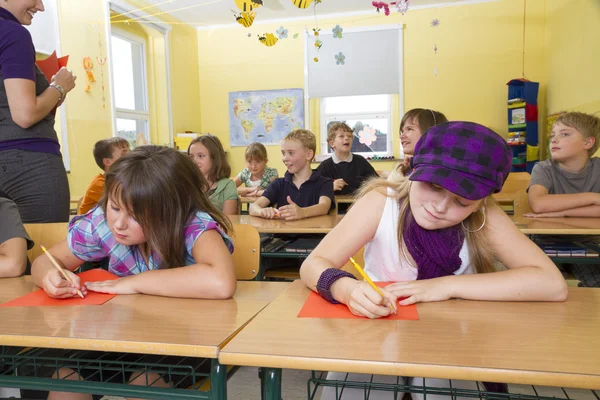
(523,124)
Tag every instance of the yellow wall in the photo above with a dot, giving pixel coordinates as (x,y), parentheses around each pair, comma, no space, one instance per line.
(479,50)
(82,28)
(573,56)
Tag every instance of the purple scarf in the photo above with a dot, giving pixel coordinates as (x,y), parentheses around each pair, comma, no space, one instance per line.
(436,252)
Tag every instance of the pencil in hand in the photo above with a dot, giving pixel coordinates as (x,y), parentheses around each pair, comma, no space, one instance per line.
(370,282)
(62,271)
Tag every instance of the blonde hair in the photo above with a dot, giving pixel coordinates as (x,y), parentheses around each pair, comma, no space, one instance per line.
(337,126)
(305,137)
(480,252)
(586,124)
(256,151)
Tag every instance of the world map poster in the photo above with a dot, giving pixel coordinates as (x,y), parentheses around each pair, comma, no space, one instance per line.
(264,116)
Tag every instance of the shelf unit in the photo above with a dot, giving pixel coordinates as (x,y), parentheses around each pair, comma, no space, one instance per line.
(523,124)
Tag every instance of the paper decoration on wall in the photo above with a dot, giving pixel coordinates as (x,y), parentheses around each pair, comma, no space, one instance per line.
(245,19)
(282,33)
(303,3)
(316,59)
(367,135)
(88,64)
(50,66)
(435,23)
(340,58)
(249,35)
(268,39)
(401,6)
(295,36)
(101,61)
(337,32)
(379,5)
(248,5)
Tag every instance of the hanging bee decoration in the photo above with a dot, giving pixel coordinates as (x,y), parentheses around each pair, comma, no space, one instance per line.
(268,39)
(244,18)
(302,3)
(248,5)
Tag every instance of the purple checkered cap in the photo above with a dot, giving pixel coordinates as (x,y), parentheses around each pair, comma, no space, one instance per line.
(465,158)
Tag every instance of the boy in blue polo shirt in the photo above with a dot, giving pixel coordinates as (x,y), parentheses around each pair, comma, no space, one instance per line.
(301,193)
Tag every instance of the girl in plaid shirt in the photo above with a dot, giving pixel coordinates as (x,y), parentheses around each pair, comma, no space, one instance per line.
(153,225)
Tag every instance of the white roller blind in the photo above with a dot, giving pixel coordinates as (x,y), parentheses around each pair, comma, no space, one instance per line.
(372,64)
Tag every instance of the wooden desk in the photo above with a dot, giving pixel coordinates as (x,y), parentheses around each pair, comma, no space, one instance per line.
(134,323)
(557,226)
(532,343)
(321,224)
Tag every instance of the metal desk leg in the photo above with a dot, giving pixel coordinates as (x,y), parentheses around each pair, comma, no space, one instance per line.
(271,384)
(218,381)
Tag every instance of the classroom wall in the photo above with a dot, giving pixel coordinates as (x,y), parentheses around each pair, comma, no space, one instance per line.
(573,56)
(479,51)
(83,33)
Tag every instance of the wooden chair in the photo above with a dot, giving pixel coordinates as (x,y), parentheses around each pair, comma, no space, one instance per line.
(46,234)
(246,254)
(522,203)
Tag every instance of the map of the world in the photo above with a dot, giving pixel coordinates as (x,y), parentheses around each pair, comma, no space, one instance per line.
(264,116)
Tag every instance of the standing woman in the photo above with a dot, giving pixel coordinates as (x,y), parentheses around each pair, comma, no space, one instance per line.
(32,173)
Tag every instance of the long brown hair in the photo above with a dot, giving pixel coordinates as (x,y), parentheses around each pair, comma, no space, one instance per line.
(219,166)
(161,189)
(480,252)
(424,118)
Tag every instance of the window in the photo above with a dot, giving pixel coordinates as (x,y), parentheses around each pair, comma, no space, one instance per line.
(129,85)
(371,118)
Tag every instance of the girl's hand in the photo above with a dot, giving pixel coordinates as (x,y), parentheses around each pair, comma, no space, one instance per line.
(57,287)
(364,301)
(291,212)
(437,289)
(118,286)
(555,214)
(269,213)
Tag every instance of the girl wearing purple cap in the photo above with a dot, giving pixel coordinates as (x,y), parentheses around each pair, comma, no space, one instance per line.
(436,235)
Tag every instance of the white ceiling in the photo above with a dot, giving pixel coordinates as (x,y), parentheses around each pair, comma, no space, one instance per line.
(200,13)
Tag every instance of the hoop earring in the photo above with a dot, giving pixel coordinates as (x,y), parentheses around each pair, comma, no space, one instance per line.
(482,225)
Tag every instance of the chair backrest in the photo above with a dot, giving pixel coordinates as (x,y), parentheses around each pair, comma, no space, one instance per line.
(46,234)
(521,203)
(246,253)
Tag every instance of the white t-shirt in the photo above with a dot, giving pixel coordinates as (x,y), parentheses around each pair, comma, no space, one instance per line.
(383,261)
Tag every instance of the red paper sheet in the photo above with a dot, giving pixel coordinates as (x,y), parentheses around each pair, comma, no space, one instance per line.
(318,307)
(40,298)
(50,66)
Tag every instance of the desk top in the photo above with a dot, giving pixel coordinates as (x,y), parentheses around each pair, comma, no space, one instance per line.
(528,343)
(558,226)
(133,323)
(321,224)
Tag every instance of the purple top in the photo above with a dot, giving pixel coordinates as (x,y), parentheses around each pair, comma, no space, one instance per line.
(17,60)
(17,54)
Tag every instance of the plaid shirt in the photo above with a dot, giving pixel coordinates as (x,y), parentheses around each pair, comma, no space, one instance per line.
(90,239)
(268,175)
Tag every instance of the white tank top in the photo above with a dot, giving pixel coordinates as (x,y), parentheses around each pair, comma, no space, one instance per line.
(383,261)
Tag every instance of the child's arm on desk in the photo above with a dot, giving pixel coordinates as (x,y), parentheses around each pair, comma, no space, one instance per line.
(542,202)
(292,211)
(212,277)
(13,257)
(46,276)
(259,209)
(588,211)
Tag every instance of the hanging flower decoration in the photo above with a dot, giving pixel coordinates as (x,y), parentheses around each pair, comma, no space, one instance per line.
(379,5)
(316,59)
(435,23)
(435,49)
(367,135)
(318,44)
(337,32)
(402,6)
(282,33)
(340,58)
(295,36)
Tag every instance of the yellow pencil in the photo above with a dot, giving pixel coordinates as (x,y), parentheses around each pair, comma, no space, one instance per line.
(62,272)
(370,282)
